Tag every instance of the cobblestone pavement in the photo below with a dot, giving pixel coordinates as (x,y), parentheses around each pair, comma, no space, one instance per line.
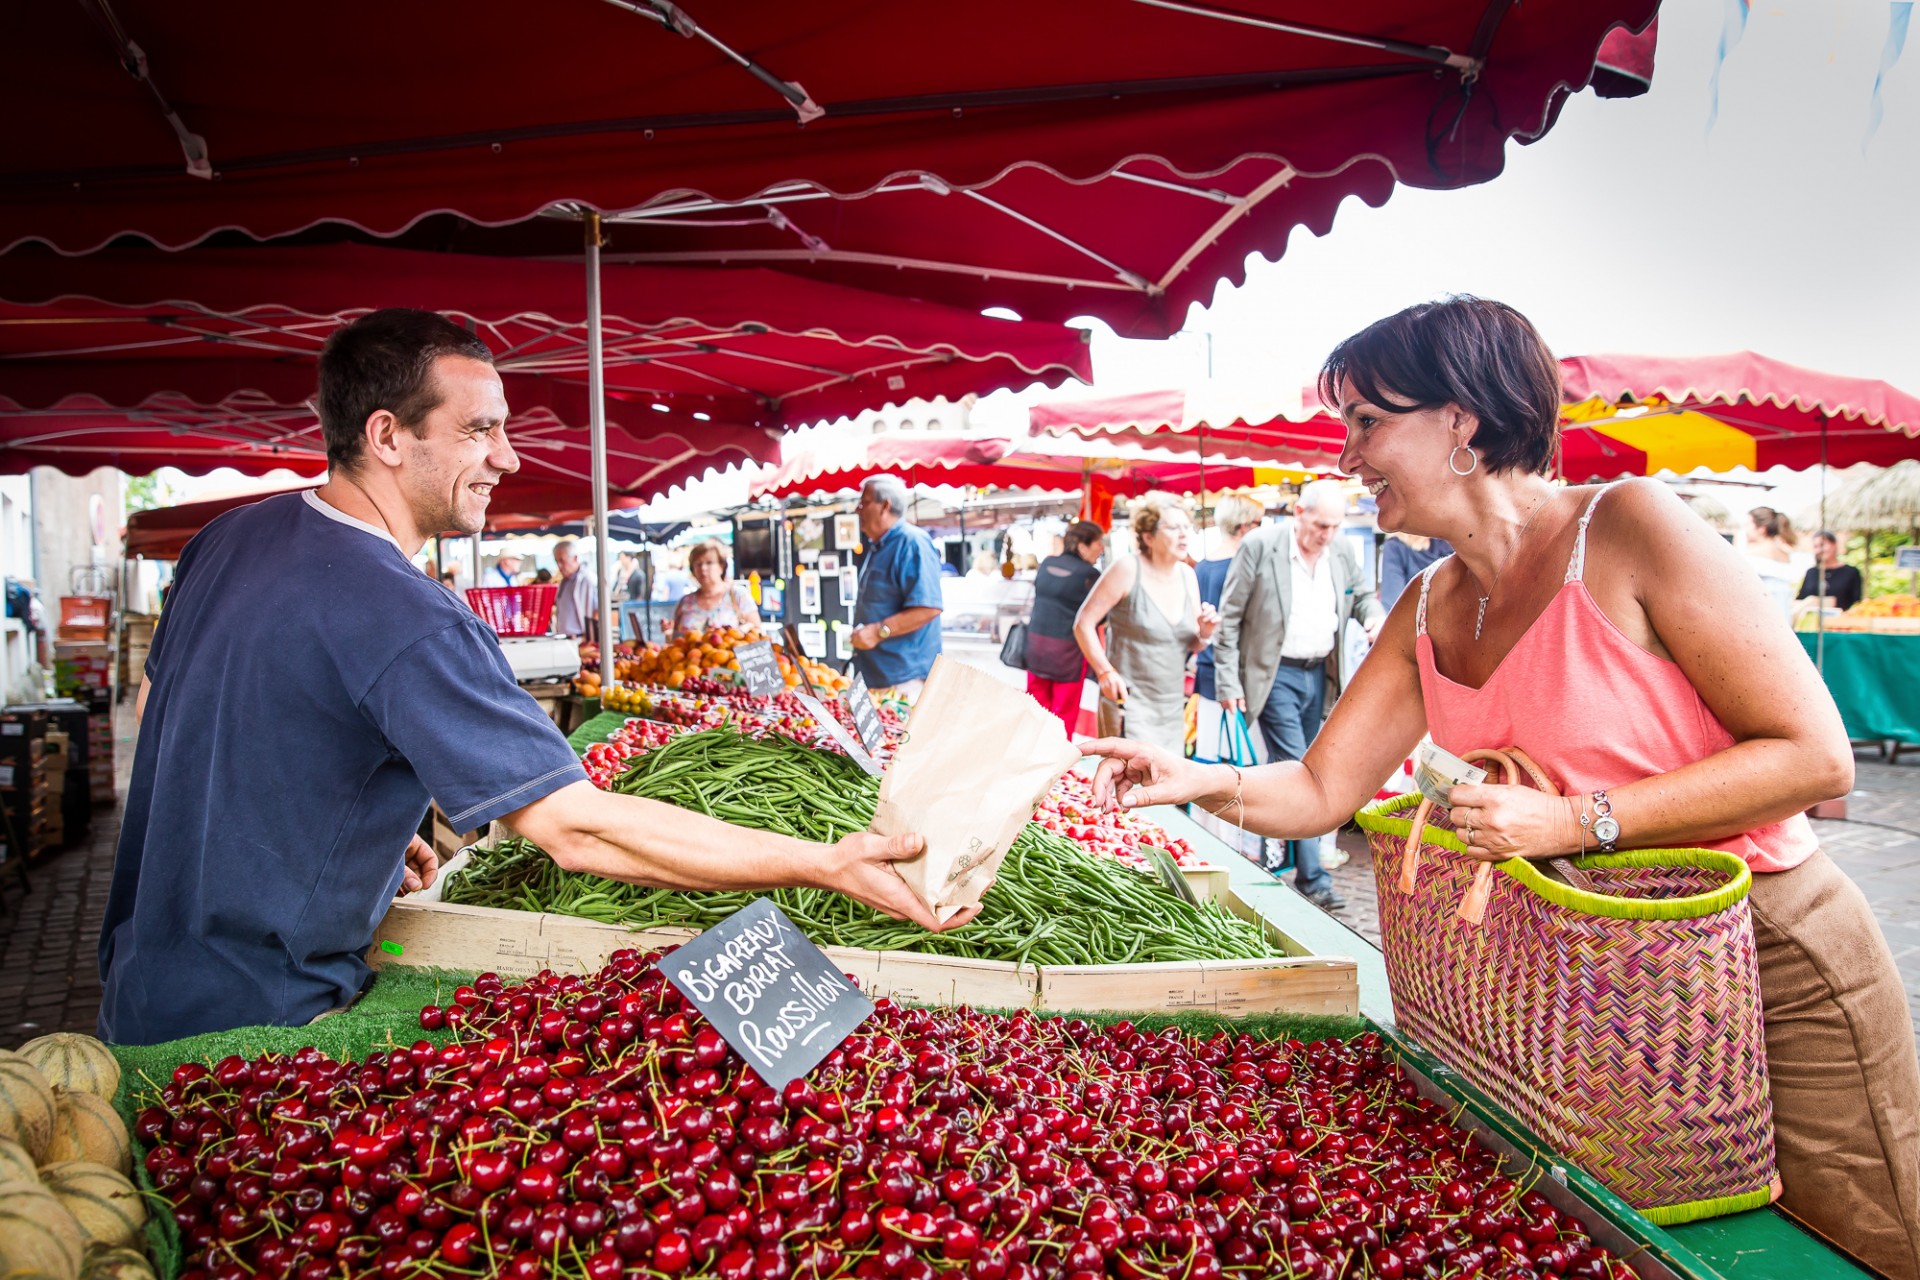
(1878,845)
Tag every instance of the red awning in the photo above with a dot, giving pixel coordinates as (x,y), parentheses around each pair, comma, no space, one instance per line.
(213,350)
(1169,420)
(752,347)
(519,503)
(993,462)
(1079,156)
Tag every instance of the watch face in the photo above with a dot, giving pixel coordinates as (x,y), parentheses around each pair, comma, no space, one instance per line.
(1606,830)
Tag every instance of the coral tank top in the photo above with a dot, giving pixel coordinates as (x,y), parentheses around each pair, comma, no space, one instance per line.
(1593,709)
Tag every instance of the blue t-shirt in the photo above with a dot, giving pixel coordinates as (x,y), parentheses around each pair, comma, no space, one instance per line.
(902,571)
(1213,583)
(310,688)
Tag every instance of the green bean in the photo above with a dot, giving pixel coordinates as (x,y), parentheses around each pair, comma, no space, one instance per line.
(1051,903)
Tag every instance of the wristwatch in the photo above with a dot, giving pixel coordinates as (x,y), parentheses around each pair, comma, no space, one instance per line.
(1606,829)
(886,632)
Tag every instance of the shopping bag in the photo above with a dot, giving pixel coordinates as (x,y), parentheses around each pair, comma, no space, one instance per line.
(977,757)
(1221,736)
(1621,1021)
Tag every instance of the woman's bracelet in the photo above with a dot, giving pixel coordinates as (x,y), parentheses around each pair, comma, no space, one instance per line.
(1238,783)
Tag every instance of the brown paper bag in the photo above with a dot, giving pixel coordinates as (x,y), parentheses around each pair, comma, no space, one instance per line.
(978,757)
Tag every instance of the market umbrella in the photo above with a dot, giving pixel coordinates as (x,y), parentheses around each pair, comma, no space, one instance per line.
(1637,415)
(990,462)
(1622,415)
(720,360)
(1879,498)
(1084,156)
(163,532)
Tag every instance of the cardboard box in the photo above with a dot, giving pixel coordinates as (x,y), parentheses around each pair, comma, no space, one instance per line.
(521,943)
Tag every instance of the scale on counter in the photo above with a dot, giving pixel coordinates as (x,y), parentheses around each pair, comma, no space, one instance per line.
(535,658)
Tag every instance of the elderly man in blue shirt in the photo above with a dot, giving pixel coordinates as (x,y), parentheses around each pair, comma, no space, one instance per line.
(896,634)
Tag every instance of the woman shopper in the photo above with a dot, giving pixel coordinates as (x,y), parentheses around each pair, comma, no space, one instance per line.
(1234,517)
(1155,622)
(1055,666)
(1772,550)
(1614,637)
(714,601)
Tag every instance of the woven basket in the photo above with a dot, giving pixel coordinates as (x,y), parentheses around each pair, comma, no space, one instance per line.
(1621,1022)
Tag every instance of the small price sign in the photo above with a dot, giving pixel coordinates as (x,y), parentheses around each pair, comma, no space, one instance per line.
(759,668)
(1906,557)
(770,992)
(866,716)
(830,724)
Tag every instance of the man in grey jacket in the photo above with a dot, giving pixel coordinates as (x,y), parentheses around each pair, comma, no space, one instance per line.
(1277,655)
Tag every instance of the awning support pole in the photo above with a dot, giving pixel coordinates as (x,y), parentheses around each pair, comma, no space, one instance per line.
(597,443)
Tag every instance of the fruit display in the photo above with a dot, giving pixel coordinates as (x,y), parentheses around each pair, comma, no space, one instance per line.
(1069,810)
(1894,606)
(1051,902)
(67,1208)
(606,761)
(599,1127)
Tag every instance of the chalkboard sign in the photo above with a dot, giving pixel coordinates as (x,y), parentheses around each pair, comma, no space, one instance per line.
(771,993)
(759,668)
(866,716)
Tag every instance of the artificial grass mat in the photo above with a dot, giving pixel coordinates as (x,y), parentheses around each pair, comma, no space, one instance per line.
(389,1015)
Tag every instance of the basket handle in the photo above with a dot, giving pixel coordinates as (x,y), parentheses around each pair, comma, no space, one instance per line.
(1512,763)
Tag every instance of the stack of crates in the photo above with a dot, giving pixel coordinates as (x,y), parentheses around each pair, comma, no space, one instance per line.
(33,815)
(68,781)
(91,663)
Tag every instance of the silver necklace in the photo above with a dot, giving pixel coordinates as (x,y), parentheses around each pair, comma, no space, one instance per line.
(1480,614)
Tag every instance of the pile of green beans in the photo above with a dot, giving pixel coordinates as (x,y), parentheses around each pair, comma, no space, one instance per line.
(1051,903)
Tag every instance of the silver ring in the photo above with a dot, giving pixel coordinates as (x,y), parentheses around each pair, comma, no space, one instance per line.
(1469,835)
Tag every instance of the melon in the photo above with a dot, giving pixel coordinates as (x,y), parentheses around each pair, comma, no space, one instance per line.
(15,1164)
(26,1105)
(39,1240)
(108,1209)
(86,1127)
(70,1060)
(116,1264)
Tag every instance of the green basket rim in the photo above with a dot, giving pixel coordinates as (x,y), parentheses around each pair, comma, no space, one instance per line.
(1380,818)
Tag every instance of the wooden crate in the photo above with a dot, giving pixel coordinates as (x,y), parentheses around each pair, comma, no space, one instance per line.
(521,943)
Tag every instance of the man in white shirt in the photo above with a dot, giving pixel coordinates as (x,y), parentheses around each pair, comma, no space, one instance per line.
(576,608)
(1277,655)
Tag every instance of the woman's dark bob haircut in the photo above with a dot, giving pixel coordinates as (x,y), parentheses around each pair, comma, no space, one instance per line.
(1483,356)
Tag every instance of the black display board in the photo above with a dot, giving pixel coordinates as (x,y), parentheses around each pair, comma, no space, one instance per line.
(770,992)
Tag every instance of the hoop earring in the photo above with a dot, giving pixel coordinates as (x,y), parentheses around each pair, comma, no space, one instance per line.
(1473,461)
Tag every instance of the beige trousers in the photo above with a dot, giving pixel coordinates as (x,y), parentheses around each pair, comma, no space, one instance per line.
(1840,1058)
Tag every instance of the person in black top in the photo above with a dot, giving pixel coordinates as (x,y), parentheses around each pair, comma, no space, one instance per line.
(1843,584)
(1055,665)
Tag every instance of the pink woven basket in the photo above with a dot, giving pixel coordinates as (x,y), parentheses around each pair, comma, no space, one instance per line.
(1620,1019)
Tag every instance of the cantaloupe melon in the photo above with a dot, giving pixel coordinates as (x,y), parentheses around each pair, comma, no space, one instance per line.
(39,1240)
(70,1060)
(26,1105)
(86,1127)
(116,1264)
(108,1209)
(15,1164)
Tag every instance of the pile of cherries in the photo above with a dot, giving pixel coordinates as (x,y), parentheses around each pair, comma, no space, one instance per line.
(599,1127)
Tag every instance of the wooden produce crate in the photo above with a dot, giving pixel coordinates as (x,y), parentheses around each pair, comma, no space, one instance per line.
(446,936)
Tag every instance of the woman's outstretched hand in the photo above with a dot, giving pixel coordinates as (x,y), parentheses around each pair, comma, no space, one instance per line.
(1133,774)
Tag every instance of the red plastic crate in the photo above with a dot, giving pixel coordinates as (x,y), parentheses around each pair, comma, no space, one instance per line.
(515,611)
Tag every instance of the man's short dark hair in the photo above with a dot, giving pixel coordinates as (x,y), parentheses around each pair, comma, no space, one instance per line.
(1483,356)
(384,360)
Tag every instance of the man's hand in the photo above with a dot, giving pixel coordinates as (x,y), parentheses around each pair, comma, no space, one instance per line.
(866,636)
(1234,704)
(863,869)
(1373,629)
(423,867)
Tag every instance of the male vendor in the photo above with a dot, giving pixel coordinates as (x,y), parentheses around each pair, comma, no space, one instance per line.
(308,689)
(898,608)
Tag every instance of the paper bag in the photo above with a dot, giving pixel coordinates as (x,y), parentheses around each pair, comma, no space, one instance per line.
(978,757)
